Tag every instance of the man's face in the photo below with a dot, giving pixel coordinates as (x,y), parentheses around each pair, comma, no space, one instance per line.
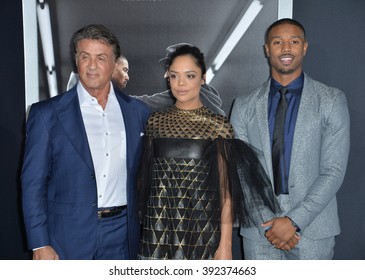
(286,48)
(120,75)
(95,61)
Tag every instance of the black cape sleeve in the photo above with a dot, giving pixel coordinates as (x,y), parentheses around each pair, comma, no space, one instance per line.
(144,176)
(246,180)
(234,168)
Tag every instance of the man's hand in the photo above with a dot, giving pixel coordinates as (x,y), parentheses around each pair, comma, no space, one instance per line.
(281,234)
(45,253)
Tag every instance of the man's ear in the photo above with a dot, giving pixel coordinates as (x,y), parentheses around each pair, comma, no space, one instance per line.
(305,46)
(266,48)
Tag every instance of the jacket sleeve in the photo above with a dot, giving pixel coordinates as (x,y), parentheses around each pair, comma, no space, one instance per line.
(334,150)
(35,171)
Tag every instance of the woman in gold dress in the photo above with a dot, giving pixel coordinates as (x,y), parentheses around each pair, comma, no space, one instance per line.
(196,180)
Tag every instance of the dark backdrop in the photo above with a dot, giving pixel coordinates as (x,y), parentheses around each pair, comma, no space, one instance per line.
(335,56)
(335,33)
(12,107)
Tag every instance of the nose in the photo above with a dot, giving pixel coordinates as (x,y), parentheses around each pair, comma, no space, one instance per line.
(286,46)
(92,64)
(181,81)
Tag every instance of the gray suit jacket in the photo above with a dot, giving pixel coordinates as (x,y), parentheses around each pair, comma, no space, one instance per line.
(319,153)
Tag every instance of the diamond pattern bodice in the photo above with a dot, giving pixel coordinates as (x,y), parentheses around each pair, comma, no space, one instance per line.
(183,211)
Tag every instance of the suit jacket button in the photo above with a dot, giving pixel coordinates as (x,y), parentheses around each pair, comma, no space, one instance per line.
(93,176)
(93,204)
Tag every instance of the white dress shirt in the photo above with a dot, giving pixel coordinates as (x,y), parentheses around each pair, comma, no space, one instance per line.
(107,141)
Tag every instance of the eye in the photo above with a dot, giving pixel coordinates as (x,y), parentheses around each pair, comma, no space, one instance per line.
(102,58)
(190,76)
(276,42)
(84,57)
(173,76)
(295,42)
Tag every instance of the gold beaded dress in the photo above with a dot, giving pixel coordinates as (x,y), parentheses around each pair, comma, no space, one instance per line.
(182,183)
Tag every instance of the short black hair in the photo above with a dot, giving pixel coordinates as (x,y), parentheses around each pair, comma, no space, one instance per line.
(284,21)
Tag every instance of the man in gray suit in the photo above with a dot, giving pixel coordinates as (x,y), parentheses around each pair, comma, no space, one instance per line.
(312,160)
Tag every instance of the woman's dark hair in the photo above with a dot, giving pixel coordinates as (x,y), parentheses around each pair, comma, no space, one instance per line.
(188,49)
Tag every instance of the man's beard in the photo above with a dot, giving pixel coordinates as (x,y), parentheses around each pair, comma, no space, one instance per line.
(286,71)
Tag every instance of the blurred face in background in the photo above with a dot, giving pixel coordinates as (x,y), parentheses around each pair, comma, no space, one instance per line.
(120,75)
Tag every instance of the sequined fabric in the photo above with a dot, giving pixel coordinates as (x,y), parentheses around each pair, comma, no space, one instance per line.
(183,212)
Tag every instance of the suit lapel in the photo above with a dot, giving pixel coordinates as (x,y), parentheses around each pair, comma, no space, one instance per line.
(69,115)
(127,111)
(263,125)
(301,131)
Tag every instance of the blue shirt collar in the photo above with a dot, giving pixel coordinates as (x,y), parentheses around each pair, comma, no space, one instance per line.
(295,87)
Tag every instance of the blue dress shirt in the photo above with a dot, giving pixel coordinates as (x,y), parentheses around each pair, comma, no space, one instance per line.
(293,100)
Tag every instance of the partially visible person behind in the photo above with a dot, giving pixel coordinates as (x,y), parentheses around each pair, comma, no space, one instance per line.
(209,96)
(159,101)
(80,162)
(120,75)
(303,129)
(195,178)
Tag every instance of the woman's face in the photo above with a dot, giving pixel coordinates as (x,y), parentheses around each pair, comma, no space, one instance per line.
(185,82)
